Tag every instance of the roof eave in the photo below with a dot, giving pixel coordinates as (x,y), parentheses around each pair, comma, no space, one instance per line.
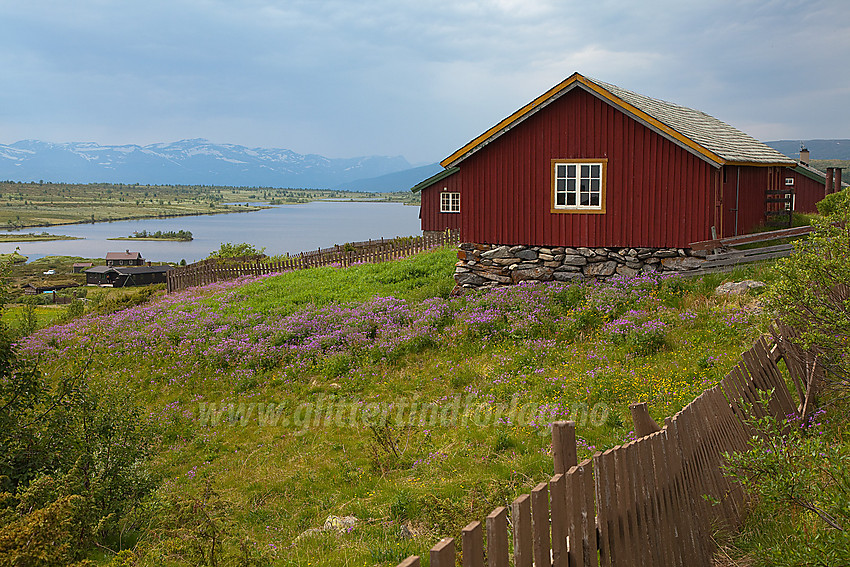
(811,172)
(434,179)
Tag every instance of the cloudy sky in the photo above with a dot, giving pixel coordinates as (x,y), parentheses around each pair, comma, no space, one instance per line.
(417,78)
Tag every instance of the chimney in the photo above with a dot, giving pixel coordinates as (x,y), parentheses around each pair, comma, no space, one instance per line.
(836,185)
(804,154)
(830,171)
(127,251)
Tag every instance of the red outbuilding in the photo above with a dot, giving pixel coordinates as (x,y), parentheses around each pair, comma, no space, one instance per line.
(589,164)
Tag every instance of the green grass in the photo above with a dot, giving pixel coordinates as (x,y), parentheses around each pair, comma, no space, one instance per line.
(277,482)
(45,315)
(416,278)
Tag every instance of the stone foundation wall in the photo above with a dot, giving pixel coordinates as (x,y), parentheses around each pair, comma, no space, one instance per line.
(485,265)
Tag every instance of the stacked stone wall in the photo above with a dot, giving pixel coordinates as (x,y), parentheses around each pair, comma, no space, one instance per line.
(487,265)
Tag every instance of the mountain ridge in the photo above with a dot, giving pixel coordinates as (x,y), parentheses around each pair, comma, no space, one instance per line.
(185,162)
(392,182)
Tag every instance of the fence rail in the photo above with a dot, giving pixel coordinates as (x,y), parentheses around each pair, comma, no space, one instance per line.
(367,252)
(655,501)
(724,255)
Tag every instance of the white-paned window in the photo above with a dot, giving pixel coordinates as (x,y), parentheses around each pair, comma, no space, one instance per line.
(449,202)
(578,185)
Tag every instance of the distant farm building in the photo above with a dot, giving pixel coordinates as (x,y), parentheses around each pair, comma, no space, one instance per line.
(590,164)
(808,185)
(125,258)
(33,289)
(126,276)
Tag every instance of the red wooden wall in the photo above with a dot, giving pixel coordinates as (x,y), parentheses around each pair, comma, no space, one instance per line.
(429,209)
(657,195)
(754,182)
(807,191)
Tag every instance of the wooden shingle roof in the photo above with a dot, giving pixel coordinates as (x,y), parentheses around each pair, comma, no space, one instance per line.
(701,134)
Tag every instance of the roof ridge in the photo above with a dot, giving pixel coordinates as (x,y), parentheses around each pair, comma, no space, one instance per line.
(695,130)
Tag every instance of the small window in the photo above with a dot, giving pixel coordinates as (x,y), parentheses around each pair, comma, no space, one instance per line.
(789,181)
(579,185)
(449,202)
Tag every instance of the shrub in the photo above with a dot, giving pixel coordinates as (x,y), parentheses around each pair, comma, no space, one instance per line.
(801,485)
(833,203)
(27,319)
(811,292)
(241,250)
(43,536)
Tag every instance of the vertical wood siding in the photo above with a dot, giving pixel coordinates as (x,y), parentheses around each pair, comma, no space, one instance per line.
(429,210)
(807,191)
(754,182)
(657,194)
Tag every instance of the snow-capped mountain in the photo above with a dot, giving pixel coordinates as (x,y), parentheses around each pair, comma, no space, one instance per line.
(187,162)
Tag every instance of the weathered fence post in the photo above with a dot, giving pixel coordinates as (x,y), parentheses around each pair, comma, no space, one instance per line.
(644,424)
(564,446)
(497,538)
(521,518)
(581,516)
(472,545)
(540,515)
(443,554)
(557,488)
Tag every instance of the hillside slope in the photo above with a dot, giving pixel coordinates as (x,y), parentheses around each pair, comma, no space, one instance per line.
(281,405)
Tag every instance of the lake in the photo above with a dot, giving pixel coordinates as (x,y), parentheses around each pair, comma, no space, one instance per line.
(284,229)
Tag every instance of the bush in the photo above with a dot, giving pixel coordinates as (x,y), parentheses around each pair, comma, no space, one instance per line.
(801,484)
(27,319)
(833,203)
(42,537)
(72,461)
(811,291)
(241,250)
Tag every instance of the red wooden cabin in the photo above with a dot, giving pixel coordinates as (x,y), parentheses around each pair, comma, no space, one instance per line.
(591,164)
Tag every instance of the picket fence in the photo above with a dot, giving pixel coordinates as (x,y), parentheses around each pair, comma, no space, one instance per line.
(366,252)
(655,501)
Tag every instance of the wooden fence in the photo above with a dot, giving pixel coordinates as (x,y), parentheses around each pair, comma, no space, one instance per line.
(656,501)
(724,253)
(367,252)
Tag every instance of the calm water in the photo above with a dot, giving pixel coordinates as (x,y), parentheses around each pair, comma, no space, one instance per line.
(282,229)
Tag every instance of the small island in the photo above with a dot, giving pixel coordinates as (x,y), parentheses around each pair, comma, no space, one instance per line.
(33,237)
(179,236)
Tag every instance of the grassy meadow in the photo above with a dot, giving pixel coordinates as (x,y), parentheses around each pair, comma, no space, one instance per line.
(277,406)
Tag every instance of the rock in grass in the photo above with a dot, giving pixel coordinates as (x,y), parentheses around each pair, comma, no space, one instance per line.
(340,523)
(738,288)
